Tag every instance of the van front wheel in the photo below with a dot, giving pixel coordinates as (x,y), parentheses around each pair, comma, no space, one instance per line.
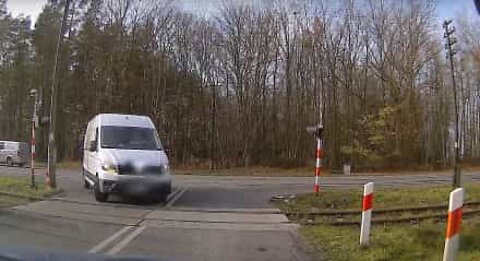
(10,162)
(160,199)
(99,196)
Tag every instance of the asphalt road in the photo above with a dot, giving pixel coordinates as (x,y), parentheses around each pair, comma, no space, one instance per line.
(202,220)
(205,218)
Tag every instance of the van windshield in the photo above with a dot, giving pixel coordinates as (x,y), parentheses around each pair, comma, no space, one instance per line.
(129,138)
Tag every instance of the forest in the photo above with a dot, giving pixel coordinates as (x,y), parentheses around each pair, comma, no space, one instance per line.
(238,86)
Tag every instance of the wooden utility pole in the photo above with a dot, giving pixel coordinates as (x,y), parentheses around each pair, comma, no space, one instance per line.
(52,148)
(451,41)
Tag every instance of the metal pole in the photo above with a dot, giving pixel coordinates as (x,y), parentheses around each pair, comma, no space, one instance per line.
(52,149)
(457,173)
(450,53)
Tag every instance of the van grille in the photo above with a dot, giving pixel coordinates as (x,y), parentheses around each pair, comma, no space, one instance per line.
(128,169)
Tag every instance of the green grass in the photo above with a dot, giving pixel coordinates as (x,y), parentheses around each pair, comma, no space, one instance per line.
(423,241)
(414,241)
(70,165)
(21,187)
(383,198)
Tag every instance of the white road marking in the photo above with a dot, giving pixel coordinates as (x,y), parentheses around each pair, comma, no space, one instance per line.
(174,192)
(176,197)
(115,249)
(110,239)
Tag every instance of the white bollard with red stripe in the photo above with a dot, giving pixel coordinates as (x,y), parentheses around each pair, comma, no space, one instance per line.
(33,152)
(366,213)
(318,165)
(452,238)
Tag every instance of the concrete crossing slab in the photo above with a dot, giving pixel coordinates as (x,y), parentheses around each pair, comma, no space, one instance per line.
(209,217)
(92,213)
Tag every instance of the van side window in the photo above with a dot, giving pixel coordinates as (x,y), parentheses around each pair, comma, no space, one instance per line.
(2,145)
(88,137)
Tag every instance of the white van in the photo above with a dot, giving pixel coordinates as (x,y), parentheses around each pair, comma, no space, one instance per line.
(14,153)
(123,154)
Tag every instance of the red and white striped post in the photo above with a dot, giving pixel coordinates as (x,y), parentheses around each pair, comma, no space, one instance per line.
(318,165)
(452,238)
(366,213)
(36,103)
(32,155)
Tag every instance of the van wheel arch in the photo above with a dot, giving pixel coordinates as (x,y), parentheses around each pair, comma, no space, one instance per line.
(99,196)
(86,183)
(9,161)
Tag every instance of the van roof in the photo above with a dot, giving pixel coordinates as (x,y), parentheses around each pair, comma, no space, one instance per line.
(9,141)
(112,119)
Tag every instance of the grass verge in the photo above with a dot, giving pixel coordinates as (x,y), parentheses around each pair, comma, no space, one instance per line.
(69,165)
(383,198)
(246,171)
(15,191)
(259,171)
(423,240)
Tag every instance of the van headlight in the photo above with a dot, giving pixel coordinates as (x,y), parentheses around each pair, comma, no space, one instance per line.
(110,168)
(164,169)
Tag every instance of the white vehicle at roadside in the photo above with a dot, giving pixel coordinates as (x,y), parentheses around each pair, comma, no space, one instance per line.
(123,155)
(14,153)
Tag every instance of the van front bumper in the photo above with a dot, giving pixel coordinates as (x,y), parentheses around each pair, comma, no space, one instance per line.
(137,185)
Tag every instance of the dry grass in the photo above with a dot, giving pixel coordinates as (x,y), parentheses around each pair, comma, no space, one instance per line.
(259,171)
(246,171)
(70,165)
(278,172)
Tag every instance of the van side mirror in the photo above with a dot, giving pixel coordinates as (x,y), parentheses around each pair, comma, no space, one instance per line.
(92,146)
(166,148)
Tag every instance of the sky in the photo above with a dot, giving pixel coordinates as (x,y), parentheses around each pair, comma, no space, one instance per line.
(445,8)
(452,8)
(26,7)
